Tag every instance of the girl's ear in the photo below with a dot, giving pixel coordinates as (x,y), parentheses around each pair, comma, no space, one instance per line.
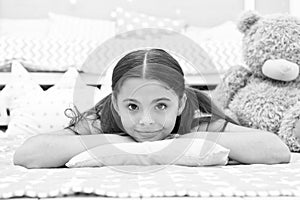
(182,104)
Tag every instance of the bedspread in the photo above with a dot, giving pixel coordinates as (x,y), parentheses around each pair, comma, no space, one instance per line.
(147,181)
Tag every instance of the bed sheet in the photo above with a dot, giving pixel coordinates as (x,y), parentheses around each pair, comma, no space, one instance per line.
(146,181)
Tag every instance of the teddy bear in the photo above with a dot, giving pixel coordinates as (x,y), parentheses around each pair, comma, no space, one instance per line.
(264,93)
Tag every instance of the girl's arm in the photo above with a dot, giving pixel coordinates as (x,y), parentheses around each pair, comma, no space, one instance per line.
(248,145)
(56,149)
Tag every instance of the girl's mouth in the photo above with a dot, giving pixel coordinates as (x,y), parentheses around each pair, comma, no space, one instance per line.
(147,131)
(148,135)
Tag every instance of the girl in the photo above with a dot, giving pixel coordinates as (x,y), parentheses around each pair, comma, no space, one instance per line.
(150,102)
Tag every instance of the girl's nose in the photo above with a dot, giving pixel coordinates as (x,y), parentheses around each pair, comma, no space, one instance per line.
(146,119)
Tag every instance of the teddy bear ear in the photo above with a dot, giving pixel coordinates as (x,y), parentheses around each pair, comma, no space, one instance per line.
(247,19)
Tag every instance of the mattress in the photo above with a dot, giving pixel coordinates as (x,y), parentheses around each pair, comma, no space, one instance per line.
(256,180)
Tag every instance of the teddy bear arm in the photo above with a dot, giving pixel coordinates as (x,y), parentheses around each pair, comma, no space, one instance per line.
(289,130)
(233,80)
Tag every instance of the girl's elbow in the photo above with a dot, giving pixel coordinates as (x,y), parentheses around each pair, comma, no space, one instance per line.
(18,158)
(28,155)
(26,161)
(282,155)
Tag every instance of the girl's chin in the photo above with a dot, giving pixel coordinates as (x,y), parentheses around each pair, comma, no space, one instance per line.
(149,139)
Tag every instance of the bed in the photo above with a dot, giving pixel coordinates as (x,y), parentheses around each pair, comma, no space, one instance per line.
(38,114)
(46,62)
(235,181)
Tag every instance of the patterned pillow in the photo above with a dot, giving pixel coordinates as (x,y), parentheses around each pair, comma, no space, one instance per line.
(46,53)
(33,110)
(224,54)
(128,21)
(222,43)
(68,42)
(193,59)
(19,85)
(225,31)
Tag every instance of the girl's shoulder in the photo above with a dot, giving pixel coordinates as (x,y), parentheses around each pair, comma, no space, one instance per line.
(87,126)
(205,122)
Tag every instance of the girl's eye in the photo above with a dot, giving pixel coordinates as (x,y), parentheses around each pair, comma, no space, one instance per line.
(133,107)
(161,106)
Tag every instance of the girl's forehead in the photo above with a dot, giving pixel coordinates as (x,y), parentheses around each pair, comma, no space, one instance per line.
(147,87)
(143,81)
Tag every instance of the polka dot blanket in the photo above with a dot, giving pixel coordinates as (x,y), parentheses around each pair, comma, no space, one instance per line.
(256,180)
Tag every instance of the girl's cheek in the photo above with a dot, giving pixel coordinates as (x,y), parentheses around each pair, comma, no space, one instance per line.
(128,116)
(130,122)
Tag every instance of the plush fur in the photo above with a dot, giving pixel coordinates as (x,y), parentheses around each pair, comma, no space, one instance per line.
(255,98)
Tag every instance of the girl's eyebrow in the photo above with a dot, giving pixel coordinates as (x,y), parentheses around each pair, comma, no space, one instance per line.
(154,101)
(128,99)
(161,99)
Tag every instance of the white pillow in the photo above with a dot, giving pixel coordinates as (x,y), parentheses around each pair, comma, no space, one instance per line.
(222,43)
(225,31)
(129,20)
(38,111)
(65,26)
(180,151)
(20,83)
(22,27)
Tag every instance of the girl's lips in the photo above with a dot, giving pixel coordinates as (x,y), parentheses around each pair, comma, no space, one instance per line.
(148,135)
(147,131)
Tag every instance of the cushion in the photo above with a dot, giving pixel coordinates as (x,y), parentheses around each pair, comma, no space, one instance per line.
(19,84)
(66,26)
(222,43)
(33,110)
(225,31)
(198,62)
(46,53)
(18,27)
(129,20)
(67,42)
(5,66)
(3,112)
(179,151)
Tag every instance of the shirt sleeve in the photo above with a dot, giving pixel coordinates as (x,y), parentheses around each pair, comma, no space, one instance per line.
(218,125)
(87,126)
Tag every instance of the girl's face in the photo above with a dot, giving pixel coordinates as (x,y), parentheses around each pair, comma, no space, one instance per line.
(148,109)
